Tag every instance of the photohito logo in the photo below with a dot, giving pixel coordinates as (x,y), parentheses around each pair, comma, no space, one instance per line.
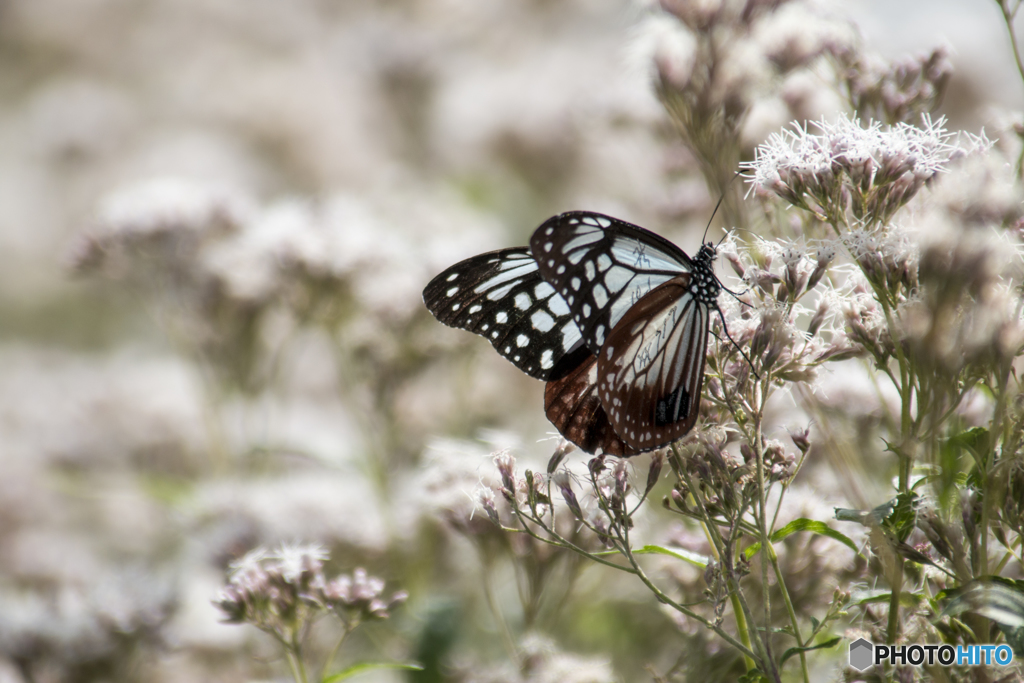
(864,654)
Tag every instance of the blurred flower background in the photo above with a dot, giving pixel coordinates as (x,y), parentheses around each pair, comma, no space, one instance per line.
(216,219)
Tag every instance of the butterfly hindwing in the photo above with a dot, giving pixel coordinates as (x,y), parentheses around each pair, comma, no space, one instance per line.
(572,405)
(501,296)
(603,266)
(650,371)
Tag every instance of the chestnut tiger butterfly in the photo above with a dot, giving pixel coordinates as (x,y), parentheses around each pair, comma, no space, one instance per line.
(612,316)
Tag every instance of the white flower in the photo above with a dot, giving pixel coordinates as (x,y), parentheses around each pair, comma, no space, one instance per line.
(295,558)
(873,169)
(248,564)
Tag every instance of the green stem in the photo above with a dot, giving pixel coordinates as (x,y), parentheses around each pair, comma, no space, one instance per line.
(741,627)
(628,553)
(294,656)
(762,524)
(744,619)
(492,605)
(1008,16)
(905,389)
(737,608)
(789,608)
(348,628)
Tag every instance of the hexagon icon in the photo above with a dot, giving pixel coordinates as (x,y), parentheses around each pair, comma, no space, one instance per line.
(860,654)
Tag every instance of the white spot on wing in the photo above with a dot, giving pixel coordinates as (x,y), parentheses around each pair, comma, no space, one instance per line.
(617,278)
(602,221)
(546,359)
(600,296)
(517,262)
(500,292)
(626,250)
(603,262)
(558,306)
(451,291)
(451,277)
(522,340)
(570,336)
(523,301)
(501,317)
(589,270)
(510,271)
(575,283)
(543,290)
(542,321)
(475,308)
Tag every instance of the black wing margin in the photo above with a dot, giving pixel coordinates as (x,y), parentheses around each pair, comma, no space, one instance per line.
(501,296)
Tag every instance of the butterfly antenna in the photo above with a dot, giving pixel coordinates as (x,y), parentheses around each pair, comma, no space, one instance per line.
(721,198)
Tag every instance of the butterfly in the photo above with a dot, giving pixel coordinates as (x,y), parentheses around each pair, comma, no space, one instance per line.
(612,316)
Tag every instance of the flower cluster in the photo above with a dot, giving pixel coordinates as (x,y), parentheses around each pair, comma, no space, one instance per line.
(229,277)
(764,319)
(283,591)
(720,64)
(895,92)
(967,311)
(848,172)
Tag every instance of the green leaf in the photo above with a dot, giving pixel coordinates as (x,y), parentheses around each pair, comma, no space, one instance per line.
(976,442)
(896,516)
(363,667)
(831,642)
(903,517)
(815,527)
(974,438)
(696,559)
(803,524)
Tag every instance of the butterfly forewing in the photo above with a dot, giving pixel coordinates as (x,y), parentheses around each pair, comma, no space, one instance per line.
(602,266)
(573,406)
(501,295)
(651,368)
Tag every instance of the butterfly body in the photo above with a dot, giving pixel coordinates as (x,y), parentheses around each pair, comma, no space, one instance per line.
(631,311)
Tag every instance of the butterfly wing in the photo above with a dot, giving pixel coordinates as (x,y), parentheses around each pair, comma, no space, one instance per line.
(651,368)
(573,406)
(602,266)
(501,295)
